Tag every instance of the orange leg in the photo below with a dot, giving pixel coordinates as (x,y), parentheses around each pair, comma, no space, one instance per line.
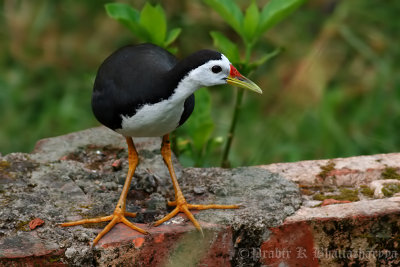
(180,201)
(119,212)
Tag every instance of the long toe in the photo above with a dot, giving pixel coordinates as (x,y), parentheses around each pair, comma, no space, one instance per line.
(114,219)
(183,206)
(85,221)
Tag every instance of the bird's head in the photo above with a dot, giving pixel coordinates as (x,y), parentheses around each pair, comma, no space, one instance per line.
(210,68)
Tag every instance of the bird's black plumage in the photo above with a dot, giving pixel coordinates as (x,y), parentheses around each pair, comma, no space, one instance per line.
(137,75)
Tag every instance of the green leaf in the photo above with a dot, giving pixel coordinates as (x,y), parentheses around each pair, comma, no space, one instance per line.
(250,23)
(275,11)
(152,18)
(265,58)
(172,50)
(229,11)
(172,35)
(128,16)
(122,11)
(224,45)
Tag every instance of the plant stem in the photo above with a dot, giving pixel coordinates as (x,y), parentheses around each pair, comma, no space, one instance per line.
(238,104)
(239,97)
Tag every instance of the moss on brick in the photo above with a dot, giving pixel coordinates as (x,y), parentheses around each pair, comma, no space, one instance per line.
(22,226)
(307,192)
(4,165)
(345,194)
(320,197)
(390,173)
(390,189)
(5,170)
(366,191)
(326,169)
(348,194)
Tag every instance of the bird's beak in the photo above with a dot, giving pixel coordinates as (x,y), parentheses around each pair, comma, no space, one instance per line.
(235,78)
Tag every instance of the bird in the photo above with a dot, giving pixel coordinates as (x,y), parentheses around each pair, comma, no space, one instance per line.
(144,91)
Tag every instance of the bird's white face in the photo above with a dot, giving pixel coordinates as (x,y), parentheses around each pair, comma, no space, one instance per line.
(213,72)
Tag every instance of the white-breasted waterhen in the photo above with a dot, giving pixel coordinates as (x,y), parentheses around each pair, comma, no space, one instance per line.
(143,91)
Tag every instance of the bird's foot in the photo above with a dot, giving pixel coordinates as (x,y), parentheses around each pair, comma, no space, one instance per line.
(183,206)
(118,216)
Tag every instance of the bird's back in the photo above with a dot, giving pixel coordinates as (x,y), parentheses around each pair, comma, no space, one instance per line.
(128,79)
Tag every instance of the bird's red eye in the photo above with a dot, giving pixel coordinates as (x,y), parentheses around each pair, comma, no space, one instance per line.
(216,69)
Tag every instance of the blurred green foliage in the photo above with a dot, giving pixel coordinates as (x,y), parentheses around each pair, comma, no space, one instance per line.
(150,24)
(334,91)
(250,26)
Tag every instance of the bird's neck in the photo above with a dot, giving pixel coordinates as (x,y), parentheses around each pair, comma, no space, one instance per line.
(184,86)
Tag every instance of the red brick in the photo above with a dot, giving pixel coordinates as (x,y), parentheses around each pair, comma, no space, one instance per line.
(330,201)
(160,245)
(292,244)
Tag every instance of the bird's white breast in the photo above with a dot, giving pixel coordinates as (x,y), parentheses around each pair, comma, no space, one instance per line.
(158,119)
(153,119)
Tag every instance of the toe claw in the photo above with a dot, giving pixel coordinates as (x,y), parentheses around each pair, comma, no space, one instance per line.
(171,203)
(130,214)
(114,219)
(182,206)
